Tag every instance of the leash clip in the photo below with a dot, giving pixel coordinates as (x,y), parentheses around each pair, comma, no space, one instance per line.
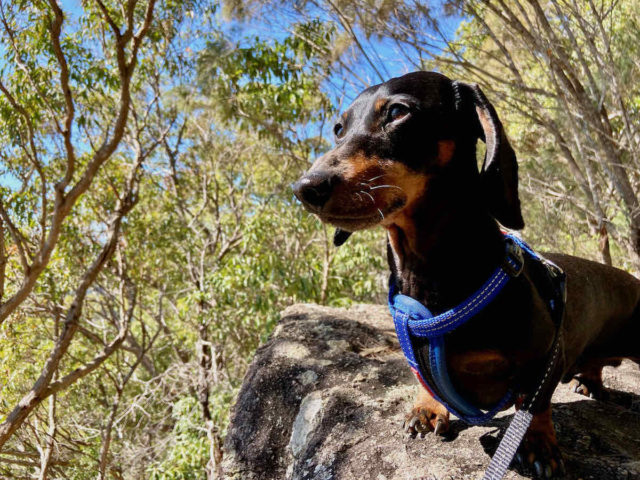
(513,262)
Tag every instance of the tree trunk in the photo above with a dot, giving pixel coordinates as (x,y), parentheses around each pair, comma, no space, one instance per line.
(205,362)
(605,252)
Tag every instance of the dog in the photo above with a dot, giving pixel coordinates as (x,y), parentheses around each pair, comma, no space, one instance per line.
(405,159)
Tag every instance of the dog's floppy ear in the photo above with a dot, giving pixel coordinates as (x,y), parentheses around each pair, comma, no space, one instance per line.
(499,174)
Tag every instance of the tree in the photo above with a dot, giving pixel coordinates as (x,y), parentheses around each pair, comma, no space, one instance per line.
(562,72)
(78,123)
(242,250)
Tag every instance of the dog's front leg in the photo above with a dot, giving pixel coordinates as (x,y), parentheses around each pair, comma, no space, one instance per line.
(539,449)
(427,415)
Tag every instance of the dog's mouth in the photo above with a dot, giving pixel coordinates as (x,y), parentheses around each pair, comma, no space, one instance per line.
(360,220)
(359,201)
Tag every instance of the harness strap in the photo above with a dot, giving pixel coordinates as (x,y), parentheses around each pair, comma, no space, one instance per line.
(555,286)
(435,379)
(423,324)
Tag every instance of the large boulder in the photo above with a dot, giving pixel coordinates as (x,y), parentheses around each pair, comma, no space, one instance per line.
(326,396)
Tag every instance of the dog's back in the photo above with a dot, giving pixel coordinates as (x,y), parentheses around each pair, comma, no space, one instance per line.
(603,310)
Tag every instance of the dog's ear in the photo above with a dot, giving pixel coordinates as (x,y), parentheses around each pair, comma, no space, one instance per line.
(499,174)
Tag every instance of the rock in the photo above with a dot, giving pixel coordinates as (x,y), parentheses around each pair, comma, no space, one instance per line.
(306,422)
(326,396)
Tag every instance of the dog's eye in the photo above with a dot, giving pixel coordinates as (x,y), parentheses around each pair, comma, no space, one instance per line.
(338,130)
(397,111)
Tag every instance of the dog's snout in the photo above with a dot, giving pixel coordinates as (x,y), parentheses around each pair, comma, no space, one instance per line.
(315,188)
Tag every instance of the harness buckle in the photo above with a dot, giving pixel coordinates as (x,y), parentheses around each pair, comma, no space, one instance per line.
(513,261)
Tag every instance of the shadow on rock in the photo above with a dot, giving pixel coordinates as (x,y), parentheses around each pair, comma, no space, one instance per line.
(598,439)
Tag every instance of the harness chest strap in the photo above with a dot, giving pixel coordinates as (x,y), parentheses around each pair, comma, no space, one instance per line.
(419,330)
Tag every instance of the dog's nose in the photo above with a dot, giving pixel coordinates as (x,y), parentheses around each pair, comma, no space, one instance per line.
(314,188)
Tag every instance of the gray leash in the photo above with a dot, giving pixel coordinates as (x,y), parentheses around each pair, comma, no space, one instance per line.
(519,424)
(508,445)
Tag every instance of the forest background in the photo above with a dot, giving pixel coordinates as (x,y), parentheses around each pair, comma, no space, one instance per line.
(148,233)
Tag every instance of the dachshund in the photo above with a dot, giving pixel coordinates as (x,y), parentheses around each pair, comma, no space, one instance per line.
(405,159)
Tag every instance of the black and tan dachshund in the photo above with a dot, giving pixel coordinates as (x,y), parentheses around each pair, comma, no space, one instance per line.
(405,159)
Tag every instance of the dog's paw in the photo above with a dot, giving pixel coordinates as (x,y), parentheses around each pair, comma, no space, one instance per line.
(422,420)
(539,452)
(589,387)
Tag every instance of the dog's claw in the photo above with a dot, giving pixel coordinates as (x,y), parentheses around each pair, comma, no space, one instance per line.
(422,428)
(539,452)
(439,426)
(422,420)
(589,387)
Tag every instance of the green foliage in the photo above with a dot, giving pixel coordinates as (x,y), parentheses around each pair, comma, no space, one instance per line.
(220,245)
(188,453)
(562,210)
(266,82)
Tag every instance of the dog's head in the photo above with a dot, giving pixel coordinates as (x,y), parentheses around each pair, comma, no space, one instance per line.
(401,137)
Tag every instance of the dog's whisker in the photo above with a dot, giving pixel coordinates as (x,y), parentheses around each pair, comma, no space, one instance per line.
(359,196)
(381,214)
(369,195)
(386,186)
(375,178)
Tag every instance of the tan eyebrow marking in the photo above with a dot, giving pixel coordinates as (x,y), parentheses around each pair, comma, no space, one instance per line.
(360,166)
(379,104)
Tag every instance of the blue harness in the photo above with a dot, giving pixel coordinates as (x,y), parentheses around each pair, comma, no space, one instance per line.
(418,328)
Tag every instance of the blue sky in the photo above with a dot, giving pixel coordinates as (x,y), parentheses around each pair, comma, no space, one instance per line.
(383,53)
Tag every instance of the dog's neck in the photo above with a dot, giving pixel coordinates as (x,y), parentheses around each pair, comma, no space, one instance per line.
(444,249)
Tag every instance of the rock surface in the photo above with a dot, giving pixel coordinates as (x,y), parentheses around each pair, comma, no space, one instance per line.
(326,396)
